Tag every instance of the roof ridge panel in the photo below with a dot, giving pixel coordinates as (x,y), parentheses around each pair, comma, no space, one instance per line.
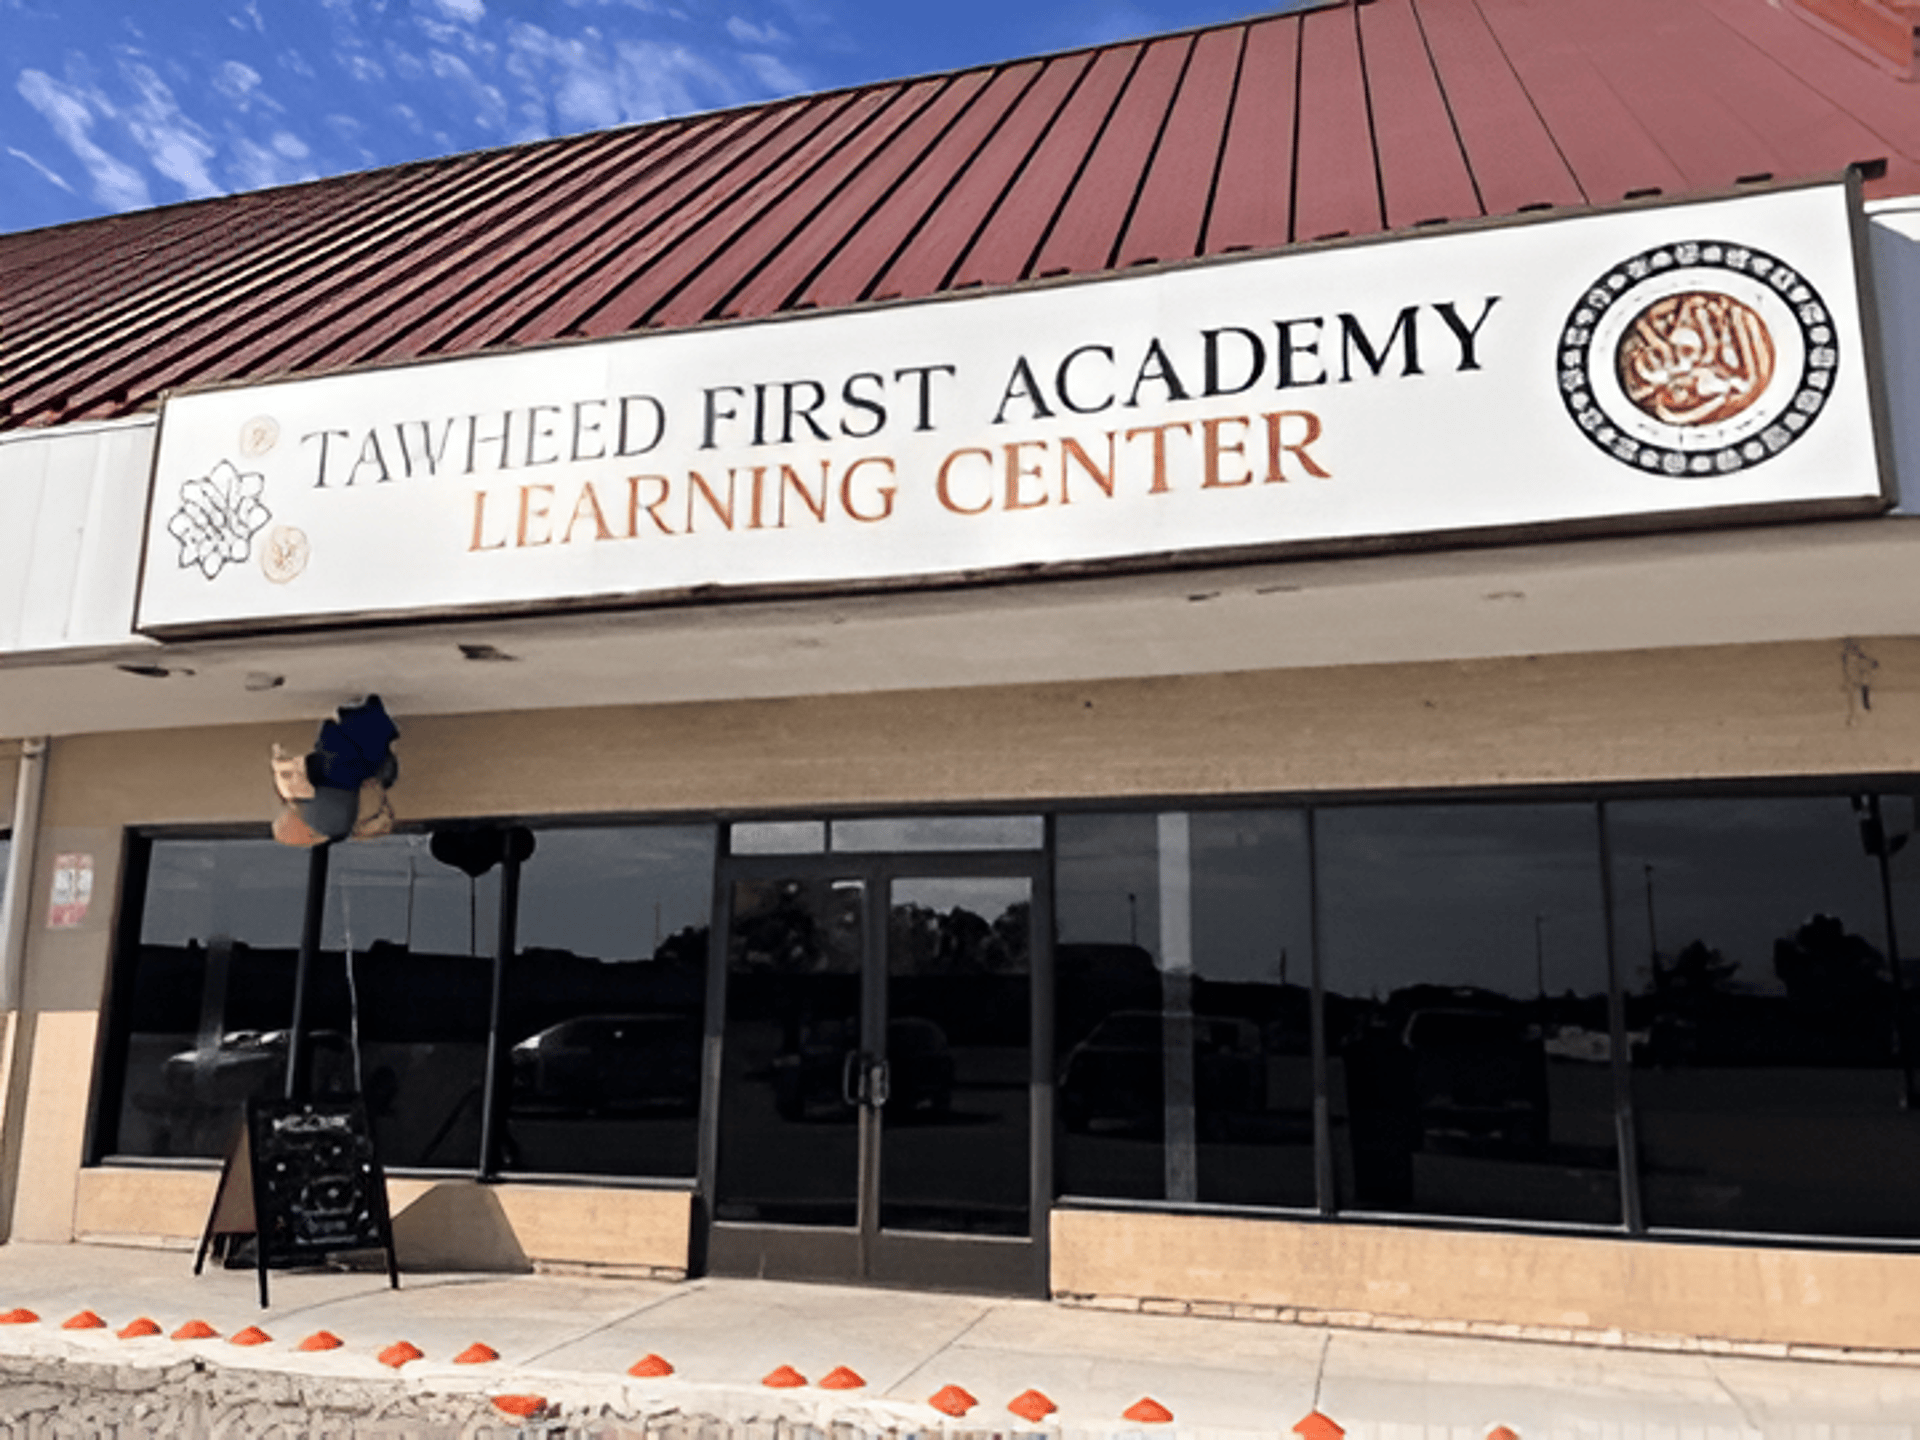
(1253,191)
(1883,103)
(917,200)
(845,214)
(273,338)
(1336,188)
(693,198)
(159,255)
(99,339)
(1093,216)
(1423,173)
(689,256)
(318,340)
(1169,213)
(780,230)
(1003,250)
(926,264)
(169,288)
(201,307)
(397,171)
(514,238)
(1673,87)
(151,229)
(601,236)
(1885,110)
(1609,151)
(79,341)
(1514,159)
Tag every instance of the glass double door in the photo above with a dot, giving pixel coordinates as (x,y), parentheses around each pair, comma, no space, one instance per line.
(880,1086)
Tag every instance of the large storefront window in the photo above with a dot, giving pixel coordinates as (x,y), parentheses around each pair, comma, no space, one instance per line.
(415,940)
(1183,995)
(1756,1028)
(1401,1009)
(600,1022)
(1772,1036)
(606,1001)
(203,1001)
(1464,961)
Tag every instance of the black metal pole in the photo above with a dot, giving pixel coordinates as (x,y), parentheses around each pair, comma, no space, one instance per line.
(1626,1139)
(1325,1190)
(1902,1042)
(493,1090)
(299,1058)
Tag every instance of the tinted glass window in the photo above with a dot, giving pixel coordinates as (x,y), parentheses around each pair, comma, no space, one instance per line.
(606,1010)
(941,832)
(789,1127)
(958,1055)
(778,837)
(203,1004)
(1463,954)
(1183,988)
(413,941)
(1765,1016)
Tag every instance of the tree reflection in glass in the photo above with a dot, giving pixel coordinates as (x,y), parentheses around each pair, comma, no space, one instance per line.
(1764,1016)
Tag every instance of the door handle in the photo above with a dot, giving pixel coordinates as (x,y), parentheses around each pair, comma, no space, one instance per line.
(852,1078)
(879,1083)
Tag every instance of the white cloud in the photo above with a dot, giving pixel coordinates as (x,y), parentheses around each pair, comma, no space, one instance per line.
(1114,22)
(52,176)
(249,16)
(254,166)
(442,33)
(658,79)
(351,132)
(406,65)
(239,82)
(773,74)
(363,68)
(467,12)
(175,146)
(585,94)
(748,33)
(490,111)
(116,184)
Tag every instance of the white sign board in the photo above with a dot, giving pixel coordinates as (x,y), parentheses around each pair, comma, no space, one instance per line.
(1617,367)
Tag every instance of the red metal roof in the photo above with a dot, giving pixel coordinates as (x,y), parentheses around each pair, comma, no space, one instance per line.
(1349,120)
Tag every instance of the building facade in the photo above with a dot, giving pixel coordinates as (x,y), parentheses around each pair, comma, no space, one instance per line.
(1272,667)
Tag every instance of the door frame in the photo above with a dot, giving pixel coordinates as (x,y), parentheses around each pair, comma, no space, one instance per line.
(865,1253)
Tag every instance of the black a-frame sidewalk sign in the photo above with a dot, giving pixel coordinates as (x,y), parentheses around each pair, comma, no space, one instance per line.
(302,1179)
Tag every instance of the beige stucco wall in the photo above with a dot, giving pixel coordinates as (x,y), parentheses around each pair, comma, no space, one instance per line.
(1374,1273)
(1807,708)
(1773,710)
(55,1055)
(621,1229)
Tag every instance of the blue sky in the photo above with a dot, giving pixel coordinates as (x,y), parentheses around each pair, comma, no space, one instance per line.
(114,105)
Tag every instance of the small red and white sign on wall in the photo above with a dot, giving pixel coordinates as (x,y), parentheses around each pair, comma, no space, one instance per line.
(72,891)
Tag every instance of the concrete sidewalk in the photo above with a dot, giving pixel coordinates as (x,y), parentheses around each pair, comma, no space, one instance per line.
(571,1341)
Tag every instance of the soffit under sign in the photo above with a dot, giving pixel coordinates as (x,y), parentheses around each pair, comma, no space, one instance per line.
(1676,363)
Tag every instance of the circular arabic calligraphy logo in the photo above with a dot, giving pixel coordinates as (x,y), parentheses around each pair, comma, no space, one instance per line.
(1697,359)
